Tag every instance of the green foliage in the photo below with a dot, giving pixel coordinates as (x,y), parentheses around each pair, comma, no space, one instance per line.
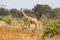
(25,21)
(0,18)
(52,28)
(4,12)
(41,9)
(14,12)
(8,19)
(56,10)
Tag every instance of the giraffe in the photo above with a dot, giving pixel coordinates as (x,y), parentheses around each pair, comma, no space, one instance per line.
(30,19)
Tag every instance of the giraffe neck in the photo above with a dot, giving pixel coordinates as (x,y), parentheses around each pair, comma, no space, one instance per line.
(24,14)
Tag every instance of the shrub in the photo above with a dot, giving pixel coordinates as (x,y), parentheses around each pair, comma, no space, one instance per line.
(0,18)
(25,21)
(44,20)
(52,28)
(8,19)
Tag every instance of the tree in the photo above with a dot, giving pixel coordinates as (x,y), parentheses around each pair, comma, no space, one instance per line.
(41,9)
(15,13)
(56,10)
(4,12)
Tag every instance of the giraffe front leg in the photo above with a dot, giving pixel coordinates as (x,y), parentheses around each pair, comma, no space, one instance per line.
(29,25)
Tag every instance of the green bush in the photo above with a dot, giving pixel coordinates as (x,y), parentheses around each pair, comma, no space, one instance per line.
(52,28)
(8,19)
(0,18)
(25,21)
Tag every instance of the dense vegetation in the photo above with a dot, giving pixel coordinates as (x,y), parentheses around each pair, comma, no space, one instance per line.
(52,28)
(49,17)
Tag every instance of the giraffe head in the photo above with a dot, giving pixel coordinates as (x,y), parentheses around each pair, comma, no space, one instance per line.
(21,9)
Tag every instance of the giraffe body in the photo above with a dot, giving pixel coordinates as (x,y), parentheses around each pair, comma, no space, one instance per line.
(30,19)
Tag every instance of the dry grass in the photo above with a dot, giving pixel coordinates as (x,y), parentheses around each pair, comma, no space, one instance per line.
(21,35)
(15,31)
